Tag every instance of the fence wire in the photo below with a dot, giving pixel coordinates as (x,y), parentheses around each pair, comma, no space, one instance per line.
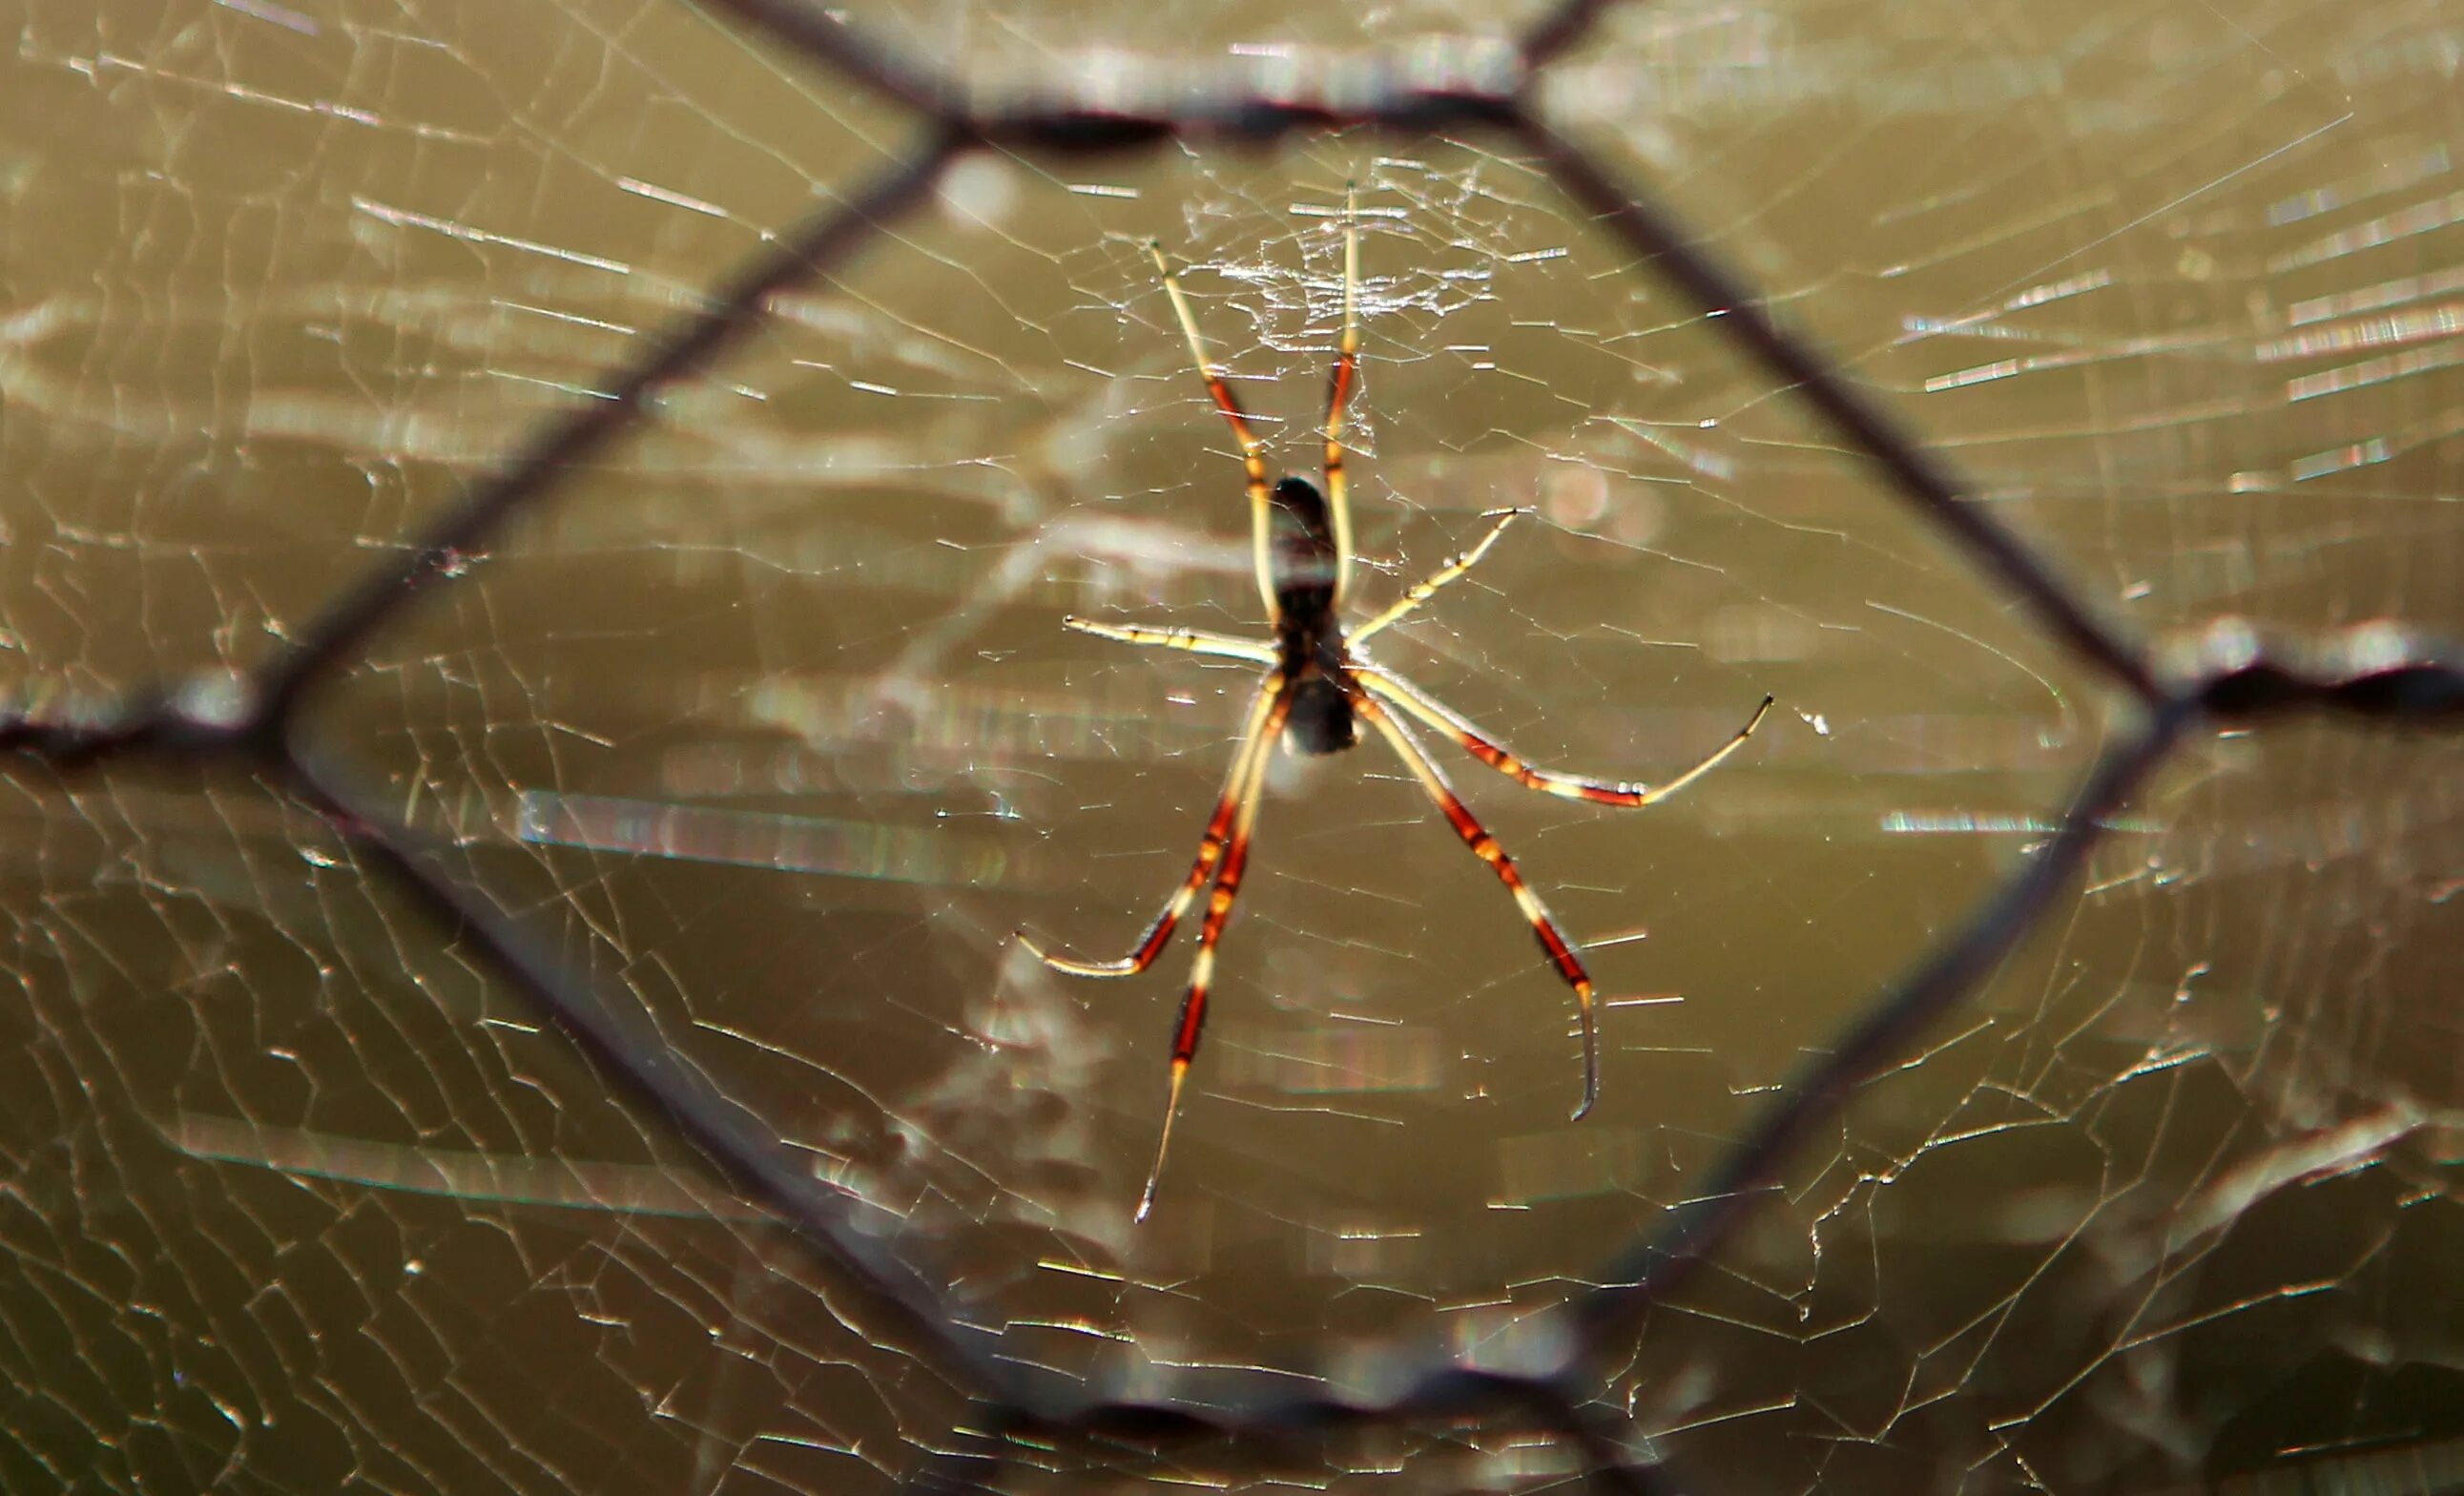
(254,721)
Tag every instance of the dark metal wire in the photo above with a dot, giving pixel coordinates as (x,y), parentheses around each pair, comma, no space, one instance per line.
(256,719)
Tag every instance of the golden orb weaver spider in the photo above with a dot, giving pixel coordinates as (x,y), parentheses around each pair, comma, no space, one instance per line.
(1317,688)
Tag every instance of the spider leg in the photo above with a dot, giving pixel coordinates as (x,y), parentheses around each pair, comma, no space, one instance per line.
(1196,641)
(1219,911)
(1339,388)
(1391,686)
(1254,746)
(1485,847)
(1253,458)
(1422,591)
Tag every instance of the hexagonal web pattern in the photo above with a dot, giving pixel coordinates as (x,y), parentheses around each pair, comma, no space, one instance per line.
(537,542)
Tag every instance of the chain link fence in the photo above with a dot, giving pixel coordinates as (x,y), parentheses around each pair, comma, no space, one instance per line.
(1007,1424)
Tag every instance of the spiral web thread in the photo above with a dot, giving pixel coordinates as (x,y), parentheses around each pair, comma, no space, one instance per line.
(2239,681)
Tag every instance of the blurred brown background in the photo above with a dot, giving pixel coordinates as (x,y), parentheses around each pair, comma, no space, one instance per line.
(767,723)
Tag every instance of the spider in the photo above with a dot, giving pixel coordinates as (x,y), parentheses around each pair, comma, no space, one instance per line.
(1318,687)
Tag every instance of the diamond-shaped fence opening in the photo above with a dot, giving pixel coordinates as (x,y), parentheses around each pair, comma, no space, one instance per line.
(537,543)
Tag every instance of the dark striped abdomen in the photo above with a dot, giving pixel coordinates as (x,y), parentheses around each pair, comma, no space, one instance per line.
(1304,562)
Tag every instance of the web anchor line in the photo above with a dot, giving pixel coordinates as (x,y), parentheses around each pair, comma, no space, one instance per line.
(257,723)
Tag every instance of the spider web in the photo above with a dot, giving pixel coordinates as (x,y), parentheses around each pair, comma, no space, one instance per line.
(761,729)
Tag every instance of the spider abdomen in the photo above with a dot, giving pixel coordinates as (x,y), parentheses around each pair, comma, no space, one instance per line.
(1303,563)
